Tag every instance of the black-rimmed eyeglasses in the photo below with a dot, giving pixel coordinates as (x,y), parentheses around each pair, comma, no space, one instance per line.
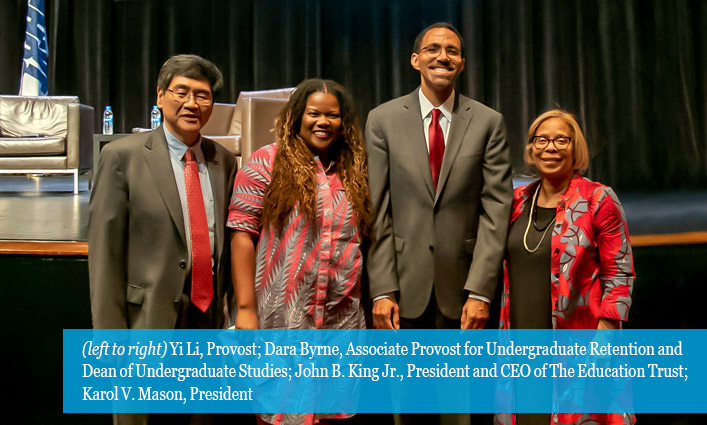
(560,143)
(434,50)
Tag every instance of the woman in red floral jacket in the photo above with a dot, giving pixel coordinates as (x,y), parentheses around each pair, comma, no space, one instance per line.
(573,231)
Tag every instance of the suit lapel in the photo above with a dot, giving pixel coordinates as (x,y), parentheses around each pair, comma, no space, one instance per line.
(461,117)
(412,121)
(218,182)
(158,161)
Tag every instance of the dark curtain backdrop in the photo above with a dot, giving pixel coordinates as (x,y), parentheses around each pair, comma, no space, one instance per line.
(634,72)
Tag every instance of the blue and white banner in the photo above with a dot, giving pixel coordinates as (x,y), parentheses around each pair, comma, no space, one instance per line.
(33,81)
(384,371)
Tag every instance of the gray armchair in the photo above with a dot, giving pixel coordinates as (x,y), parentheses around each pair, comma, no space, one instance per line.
(45,135)
(218,128)
(246,126)
(254,118)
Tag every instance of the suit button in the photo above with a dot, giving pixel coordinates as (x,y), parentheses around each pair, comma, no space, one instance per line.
(183,264)
(432,248)
(557,250)
(557,275)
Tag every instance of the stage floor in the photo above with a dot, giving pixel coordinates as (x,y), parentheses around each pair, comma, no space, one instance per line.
(43,208)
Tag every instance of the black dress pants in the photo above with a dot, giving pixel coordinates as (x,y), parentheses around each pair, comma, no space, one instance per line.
(432,318)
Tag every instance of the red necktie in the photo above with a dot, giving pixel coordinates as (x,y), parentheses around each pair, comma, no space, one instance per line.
(202,291)
(436,146)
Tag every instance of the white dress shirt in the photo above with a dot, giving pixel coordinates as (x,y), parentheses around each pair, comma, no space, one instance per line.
(445,118)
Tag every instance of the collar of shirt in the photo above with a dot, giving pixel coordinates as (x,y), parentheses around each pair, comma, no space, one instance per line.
(330,168)
(177,148)
(445,117)
(426,106)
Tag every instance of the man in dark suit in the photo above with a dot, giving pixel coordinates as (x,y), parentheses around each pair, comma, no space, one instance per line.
(158,256)
(440,182)
(441,191)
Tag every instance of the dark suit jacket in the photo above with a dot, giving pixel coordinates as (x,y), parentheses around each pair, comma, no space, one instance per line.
(138,258)
(451,239)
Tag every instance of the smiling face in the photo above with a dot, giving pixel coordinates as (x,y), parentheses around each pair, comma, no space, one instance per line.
(185,120)
(439,61)
(321,124)
(552,163)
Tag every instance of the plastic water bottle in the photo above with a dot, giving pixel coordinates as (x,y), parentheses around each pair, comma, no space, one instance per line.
(107,121)
(155,117)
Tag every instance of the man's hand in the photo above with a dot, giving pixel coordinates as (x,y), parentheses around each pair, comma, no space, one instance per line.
(385,314)
(246,318)
(475,314)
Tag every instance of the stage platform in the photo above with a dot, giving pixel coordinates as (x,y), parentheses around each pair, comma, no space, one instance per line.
(40,215)
(43,250)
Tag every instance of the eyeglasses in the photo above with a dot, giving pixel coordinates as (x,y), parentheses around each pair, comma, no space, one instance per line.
(182,96)
(434,50)
(560,143)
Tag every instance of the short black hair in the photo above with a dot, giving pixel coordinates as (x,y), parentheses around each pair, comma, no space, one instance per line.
(190,66)
(418,40)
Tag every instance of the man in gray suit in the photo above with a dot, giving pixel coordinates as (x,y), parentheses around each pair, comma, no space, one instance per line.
(158,256)
(441,189)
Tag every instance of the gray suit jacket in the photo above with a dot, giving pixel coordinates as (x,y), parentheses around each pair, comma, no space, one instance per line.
(451,239)
(138,258)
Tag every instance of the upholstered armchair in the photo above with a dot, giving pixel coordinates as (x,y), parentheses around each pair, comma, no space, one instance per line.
(254,118)
(246,126)
(218,128)
(45,135)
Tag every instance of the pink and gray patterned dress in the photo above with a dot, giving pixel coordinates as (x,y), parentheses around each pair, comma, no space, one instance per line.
(309,278)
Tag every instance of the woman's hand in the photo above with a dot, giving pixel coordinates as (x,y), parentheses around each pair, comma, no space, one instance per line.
(605,323)
(243,274)
(246,318)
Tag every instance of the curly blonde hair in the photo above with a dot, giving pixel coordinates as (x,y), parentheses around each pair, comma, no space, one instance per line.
(293,180)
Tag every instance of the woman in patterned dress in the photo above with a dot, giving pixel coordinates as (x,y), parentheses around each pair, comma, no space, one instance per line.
(568,258)
(300,210)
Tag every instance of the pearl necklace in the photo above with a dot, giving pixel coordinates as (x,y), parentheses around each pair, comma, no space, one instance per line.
(532,220)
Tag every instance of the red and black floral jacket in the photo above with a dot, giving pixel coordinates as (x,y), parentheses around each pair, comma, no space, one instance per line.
(591,271)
